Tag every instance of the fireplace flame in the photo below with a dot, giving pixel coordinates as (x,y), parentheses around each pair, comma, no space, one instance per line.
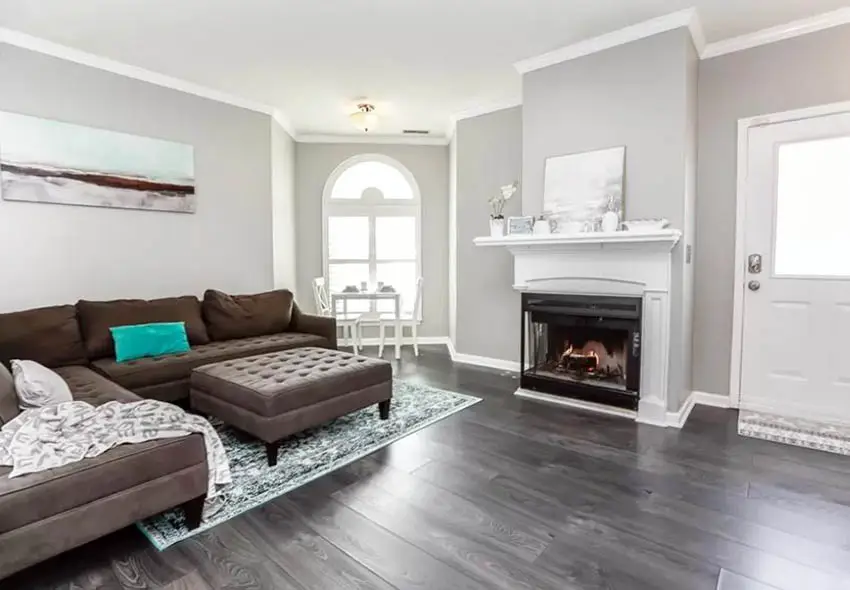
(570,352)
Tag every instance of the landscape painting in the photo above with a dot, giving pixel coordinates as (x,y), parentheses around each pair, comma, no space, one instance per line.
(46,161)
(581,188)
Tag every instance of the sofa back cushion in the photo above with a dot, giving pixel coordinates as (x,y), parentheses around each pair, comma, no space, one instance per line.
(243,316)
(8,398)
(47,335)
(97,317)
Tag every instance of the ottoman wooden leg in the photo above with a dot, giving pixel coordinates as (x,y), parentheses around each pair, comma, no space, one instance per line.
(271,453)
(384,409)
(193,510)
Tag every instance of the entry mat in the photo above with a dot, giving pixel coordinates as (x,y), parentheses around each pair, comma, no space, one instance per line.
(810,434)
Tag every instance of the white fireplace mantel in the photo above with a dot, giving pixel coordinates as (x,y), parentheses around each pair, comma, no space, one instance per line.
(616,263)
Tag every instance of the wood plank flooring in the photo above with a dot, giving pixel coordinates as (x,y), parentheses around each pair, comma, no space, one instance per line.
(516,495)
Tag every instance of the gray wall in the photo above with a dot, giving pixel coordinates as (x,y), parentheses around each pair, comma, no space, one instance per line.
(57,254)
(283,210)
(640,95)
(489,155)
(806,71)
(314,162)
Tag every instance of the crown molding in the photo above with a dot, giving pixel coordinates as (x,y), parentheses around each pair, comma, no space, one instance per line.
(45,47)
(486,108)
(284,121)
(373,139)
(477,111)
(798,28)
(688,18)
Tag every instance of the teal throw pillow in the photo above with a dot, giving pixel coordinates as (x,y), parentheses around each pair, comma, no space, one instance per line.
(145,340)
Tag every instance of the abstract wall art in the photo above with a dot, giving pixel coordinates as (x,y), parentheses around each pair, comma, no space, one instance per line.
(580,188)
(45,161)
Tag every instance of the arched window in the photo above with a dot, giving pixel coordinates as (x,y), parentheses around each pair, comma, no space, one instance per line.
(371,211)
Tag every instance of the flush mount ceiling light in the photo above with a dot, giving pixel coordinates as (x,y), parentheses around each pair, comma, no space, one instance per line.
(365,118)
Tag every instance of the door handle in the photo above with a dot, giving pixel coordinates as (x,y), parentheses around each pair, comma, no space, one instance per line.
(754,285)
(754,264)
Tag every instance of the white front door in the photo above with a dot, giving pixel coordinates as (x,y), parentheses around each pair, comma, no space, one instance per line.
(796,339)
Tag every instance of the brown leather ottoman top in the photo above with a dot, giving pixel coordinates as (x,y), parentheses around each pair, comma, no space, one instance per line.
(275,383)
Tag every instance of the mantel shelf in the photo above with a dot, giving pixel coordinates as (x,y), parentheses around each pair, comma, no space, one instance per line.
(629,239)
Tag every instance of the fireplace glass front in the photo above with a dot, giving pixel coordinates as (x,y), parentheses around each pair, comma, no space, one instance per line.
(583,347)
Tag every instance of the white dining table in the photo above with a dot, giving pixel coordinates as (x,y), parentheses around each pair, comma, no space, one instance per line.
(371,296)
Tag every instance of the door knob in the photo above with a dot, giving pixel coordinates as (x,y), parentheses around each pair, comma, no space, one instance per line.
(754,285)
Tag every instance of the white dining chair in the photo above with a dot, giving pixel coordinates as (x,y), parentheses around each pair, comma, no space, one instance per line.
(348,322)
(408,320)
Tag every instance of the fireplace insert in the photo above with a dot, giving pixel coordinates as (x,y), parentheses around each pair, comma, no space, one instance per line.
(583,347)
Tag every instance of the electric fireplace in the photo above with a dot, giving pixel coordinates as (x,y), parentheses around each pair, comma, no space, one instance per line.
(582,347)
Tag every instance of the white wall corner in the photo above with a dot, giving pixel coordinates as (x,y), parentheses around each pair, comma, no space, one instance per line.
(284,122)
(688,18)
(697,32)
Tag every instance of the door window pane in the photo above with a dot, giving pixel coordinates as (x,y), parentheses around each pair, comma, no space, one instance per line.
(343,275)
(402,277)
(813,208)
(348,238)
(395,238)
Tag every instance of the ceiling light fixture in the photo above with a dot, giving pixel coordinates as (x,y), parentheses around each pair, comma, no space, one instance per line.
(365,118)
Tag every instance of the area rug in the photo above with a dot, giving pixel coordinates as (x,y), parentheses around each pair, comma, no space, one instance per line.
(309,455)
(820,436)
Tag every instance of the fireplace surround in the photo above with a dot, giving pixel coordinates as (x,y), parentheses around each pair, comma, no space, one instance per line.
(625,264)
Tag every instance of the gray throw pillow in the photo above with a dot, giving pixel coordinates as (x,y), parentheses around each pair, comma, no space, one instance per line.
(38,386)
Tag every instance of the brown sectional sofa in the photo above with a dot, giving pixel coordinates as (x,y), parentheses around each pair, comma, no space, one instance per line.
(46,513)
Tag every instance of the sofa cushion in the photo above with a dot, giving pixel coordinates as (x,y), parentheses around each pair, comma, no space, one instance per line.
(145,372)
(96,317)
(48,335)
(244,316)
(8,398)
(37,496)
(87,386)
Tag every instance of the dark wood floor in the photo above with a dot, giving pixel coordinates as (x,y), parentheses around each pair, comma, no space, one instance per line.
(511,494)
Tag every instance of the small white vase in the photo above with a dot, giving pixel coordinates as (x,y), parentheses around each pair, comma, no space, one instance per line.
(542,227)
(610,221)
(497,228)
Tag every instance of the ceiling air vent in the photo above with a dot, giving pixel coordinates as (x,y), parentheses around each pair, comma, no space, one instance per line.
(416,132)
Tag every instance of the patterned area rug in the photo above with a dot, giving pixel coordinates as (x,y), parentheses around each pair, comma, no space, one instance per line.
(793,431)
(309,455)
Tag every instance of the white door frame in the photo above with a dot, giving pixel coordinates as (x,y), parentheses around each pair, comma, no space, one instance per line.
(744,125)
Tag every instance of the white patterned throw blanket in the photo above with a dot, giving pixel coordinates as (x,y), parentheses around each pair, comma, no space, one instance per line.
(56,435)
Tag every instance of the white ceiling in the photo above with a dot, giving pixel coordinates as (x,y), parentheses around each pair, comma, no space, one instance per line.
(419,61)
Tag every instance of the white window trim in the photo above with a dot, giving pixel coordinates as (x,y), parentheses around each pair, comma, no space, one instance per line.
(371,208)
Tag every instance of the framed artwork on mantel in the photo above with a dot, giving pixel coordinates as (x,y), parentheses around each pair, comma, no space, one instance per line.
(580,188)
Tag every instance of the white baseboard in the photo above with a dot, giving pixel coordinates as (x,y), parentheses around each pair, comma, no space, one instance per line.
(406,341)
(451,346)
(715,400)
(483,361)
(678,419)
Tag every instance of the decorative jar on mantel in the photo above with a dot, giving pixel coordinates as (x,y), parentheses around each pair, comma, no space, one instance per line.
(497,227)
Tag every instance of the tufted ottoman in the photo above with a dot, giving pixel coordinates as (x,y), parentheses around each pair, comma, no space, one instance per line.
(273,396)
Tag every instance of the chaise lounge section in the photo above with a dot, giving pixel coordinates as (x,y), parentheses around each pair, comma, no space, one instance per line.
(46,513)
